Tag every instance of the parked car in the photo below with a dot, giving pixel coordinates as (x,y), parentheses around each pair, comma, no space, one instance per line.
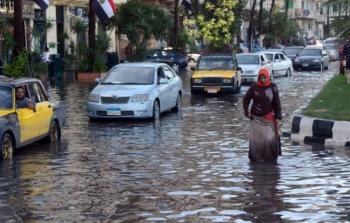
(22,126)
(330,40)
(312,58)
(293,52)
(281,64)
(193,57)
(174,59)
(136,90)
(250,63)
(216,73)
(332,51)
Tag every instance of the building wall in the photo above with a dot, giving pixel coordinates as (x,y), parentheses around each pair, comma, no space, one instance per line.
(51,34)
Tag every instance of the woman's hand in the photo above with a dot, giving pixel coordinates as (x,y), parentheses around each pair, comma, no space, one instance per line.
(248,115)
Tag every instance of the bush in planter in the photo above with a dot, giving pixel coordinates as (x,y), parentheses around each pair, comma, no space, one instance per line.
(18,67)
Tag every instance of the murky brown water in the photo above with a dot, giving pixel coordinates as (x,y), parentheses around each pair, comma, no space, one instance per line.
(192,167)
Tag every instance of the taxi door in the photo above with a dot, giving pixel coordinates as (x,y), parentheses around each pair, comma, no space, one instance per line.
(28,120)
(43,108)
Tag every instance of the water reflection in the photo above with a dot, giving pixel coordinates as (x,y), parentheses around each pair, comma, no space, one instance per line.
(189,167)
(265,199)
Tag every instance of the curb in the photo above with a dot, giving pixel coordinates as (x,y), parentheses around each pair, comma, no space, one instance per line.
(319,131)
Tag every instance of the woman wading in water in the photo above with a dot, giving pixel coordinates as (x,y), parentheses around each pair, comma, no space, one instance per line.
(265,113)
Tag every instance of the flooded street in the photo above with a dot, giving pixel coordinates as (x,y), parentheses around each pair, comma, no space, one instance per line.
(190,167)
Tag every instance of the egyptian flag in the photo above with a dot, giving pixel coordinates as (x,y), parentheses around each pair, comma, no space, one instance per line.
(104,9)
(43,4)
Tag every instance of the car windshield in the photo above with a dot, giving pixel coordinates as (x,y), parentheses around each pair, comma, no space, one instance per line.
(5,97)
(330,46)
(130,76)
(311,52)
(248,59)
(215,63)
(291,51)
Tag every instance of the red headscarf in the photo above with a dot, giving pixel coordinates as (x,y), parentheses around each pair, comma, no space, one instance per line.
(264,72)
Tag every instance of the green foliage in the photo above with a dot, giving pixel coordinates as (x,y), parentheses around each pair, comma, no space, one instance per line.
(39,68)
(182,41)
(278,28)
(79,28)
(18,67)
(214,22)
(103,43)
(140,21)
(332,102)
(7,38)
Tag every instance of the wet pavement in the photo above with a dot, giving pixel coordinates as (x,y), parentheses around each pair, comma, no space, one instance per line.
(190,167)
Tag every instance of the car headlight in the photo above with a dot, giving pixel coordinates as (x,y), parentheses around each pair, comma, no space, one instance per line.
(197,81)
(316,60)
(94,98)
(140,98)
(227,81)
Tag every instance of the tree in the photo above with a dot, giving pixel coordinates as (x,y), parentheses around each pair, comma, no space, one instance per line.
(176,24)
(213,22)
(18,27)
(92,35)
(250,28)
(140,22)
(340,26)
(79,28)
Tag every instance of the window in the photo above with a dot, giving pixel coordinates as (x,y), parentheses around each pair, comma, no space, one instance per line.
(276,57)
(37,93)
(160,74)
(5,97)
(168,73)
(282,57)
(262,59)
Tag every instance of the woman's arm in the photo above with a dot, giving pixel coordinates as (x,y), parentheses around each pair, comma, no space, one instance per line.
(246,101)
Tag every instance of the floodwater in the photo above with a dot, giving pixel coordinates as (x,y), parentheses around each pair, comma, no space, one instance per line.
(190,167)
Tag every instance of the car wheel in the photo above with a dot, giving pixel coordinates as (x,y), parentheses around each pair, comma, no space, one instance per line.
(289,73)
(54,132)
(178,105)
(156,110)
(191,60)
(7,146)
(175,66)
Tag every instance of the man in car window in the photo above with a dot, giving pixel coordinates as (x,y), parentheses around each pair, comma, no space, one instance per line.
(21,100)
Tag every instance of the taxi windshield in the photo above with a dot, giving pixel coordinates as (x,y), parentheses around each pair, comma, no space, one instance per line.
(5,97)
(216,63)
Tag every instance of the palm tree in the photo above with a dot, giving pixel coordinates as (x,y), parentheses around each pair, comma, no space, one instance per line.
(341,24)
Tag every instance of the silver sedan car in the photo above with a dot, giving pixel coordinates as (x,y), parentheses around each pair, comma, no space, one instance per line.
(136,90)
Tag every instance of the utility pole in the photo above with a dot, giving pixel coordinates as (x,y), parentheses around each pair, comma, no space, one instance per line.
(18,28)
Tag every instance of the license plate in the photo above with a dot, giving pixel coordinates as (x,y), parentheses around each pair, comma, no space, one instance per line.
(114,112)
(212,90)
(305,65)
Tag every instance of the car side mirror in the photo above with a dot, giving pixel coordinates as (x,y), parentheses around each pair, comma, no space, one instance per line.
(193,68)
(97,80)
(264,63)
(239,68)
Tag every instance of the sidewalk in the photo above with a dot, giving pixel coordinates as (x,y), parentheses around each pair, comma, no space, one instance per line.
(326,120)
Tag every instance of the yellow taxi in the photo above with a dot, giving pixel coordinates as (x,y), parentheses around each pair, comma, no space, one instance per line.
(216,74)
(26,115)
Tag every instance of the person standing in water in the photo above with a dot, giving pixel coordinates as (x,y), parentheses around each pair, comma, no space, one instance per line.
(264,115)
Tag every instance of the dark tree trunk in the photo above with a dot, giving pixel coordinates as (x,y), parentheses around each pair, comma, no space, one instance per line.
(92,36)
(250,29)
(176,24)
(286,9)
(260,16)
(18,27)
(272,6)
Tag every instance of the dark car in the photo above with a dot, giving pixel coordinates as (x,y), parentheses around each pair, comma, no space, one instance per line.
(293,52)
(315,58)
(174,59)
(20,126)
